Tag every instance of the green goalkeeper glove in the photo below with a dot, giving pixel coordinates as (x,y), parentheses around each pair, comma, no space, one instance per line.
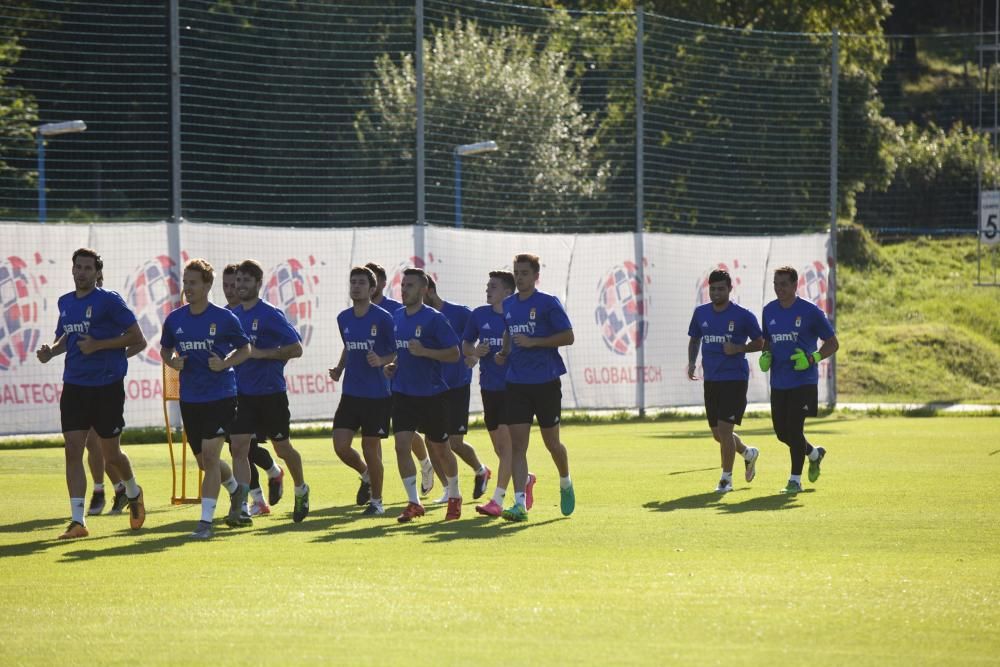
(765,361)
(803,361)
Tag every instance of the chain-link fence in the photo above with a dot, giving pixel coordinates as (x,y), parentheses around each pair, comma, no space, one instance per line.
(326,113)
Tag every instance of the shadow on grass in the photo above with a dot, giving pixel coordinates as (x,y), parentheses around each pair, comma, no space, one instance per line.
(745,434)
(778,501)
(723,503)
(685,472)
(34,524)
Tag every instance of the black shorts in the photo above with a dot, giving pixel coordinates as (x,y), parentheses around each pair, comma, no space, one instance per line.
(371,415)
(725,401)
(266,415)
(790,407)
(458,409)
(427,414)
(205,421)
(494,409)
(525,401)
(102,408)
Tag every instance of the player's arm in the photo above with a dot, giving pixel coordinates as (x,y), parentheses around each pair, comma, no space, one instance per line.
(504,352)
(135,349)
(280,353)
(170,358)
(802,361)
(377,361)
(46,352)
(234,358)
(735,348)
(132,336)
(445,355)
(561,339)
(693,345)
(338,370)
(828,348)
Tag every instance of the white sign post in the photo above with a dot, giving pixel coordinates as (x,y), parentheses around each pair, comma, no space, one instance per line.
(989,217)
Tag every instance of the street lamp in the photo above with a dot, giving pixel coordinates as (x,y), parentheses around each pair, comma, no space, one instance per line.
(460,151)
(45,131)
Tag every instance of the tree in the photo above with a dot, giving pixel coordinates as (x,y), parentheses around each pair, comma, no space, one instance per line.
(500,85)
(18,110)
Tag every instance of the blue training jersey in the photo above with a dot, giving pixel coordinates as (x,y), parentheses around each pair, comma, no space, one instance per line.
(456,374)
(389,305)
(101,314)
(420,376)
(798,326)
(539,316)
(735,324)
(267,328)
(371,331)
(194,337)
(486,325)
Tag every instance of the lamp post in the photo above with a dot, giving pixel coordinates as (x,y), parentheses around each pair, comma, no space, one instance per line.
(461,151)
(45,131)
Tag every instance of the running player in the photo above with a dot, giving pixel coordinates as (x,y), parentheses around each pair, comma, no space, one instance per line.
(458,377)
(390,305)
(95,327)
(792,327)
(424,342)
(536,327)
(259,456)
(486,326)
(263,398)
(722,329)
(204,342)
(366,401)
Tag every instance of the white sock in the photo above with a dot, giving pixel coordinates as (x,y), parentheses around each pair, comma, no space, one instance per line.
(207,509)
(426,464)
(377,502)
(231,484)
(257,495)
(747,453)
(498,495)
(365,477)
(795,478)
(98,488)
(728,476)
(301,490)
(273,471)
(520,499)
(410,484)
(565,482)
(131,488)
(76,510)
(452,485)
(119,487)
(814,454)
(482,470)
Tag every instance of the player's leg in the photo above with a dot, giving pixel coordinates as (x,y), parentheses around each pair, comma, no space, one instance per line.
(784,420)
(261,458)
(548,408)
(108,424)
(76,482)
(723,434)
(95,462)
(426,464)
(404,426)
(276,420)
(520,415)
(211,483)
(374,427)
(809,396)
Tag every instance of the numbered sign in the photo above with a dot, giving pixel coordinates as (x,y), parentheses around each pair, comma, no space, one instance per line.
(989,216)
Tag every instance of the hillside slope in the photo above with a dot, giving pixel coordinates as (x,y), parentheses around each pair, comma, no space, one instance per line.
(914,327)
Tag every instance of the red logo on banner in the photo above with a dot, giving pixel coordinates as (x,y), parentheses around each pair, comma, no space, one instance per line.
(620,302)
(292,287)
(813,285)
(152,292)
(23,303)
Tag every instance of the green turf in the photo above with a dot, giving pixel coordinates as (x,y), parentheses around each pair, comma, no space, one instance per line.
(891,557)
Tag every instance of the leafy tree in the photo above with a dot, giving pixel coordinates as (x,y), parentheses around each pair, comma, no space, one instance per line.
(503,85)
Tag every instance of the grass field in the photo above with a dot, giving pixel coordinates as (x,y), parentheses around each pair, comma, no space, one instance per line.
(891,557)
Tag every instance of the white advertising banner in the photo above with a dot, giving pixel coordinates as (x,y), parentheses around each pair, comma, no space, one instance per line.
(616,320)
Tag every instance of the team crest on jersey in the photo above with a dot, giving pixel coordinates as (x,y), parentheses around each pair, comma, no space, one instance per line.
(253,327)
(90,310)
(211,329)
(531,315)
(374,329)
(798,322)
(732,326)
(416,333)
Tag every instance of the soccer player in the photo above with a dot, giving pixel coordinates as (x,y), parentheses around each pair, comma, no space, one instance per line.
(481,340)
(424,342)
(259,456)
(204,342)
(458,377)
(419,449)
(725,332)
(263,397)
(792,328)
(95,327)
(536,327)
(366,401)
